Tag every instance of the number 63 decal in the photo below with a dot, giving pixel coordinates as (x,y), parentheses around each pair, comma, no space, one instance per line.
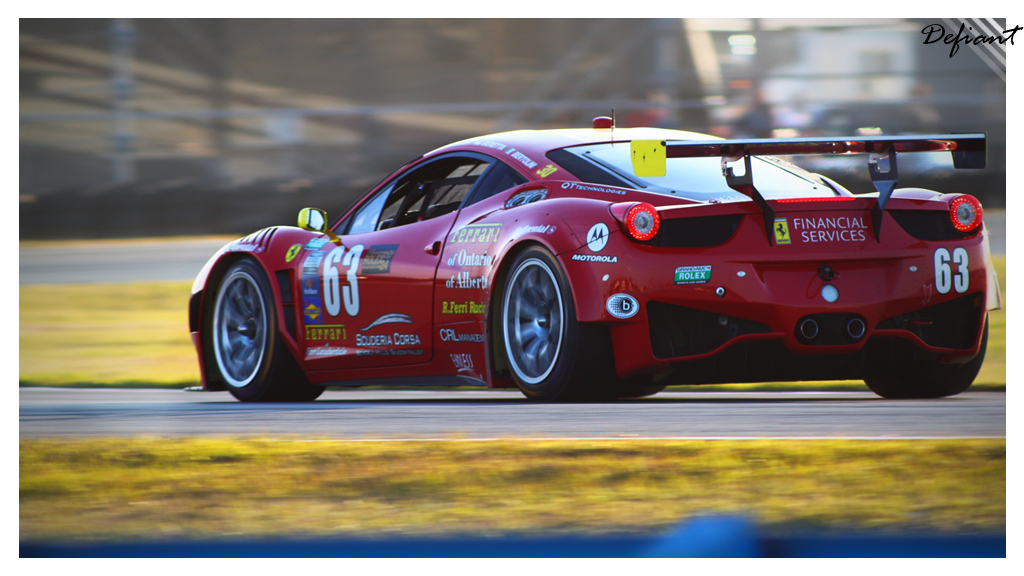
(944,277)
(334,293)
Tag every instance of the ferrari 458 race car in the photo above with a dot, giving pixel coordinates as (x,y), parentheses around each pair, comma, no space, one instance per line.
(594,264)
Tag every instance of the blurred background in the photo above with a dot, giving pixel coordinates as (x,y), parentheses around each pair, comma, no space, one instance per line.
(190,126)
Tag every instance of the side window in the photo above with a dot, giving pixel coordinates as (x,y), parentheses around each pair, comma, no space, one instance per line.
(500,178)
(424,193)
(452,190)
(365,219)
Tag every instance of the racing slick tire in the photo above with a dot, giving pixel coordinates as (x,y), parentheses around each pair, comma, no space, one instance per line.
(928,379)
(245,345)
(552,356)
(641,388)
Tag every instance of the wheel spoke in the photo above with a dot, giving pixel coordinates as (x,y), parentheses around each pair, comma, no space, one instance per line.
(527,310)
(532,321)
(248,358)
(240,328)
(535,295)
(232,307)
(544,352)
(529,332)
(244,299)
(531,349)
(547,292)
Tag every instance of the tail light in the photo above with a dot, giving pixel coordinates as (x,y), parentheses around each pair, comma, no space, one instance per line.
(642,222)
(965,213)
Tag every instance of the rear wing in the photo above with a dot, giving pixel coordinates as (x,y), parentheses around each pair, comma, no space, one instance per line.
(968,152)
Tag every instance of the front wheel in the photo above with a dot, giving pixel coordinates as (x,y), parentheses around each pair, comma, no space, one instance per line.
(245,344)
(928,379)
(552,357)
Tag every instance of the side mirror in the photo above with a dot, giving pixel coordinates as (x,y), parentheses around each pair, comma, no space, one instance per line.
(313,219)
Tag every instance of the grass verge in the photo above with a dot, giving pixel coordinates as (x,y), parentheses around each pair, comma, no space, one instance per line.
(136,335)
(106,334)
(113,489)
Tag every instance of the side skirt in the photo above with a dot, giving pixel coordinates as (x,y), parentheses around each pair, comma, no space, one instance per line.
(408,381)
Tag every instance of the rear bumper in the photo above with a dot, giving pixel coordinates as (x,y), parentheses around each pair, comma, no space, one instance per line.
(755,302)
(667,335)
(768,360)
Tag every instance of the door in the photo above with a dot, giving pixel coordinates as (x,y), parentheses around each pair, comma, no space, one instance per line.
(368,302)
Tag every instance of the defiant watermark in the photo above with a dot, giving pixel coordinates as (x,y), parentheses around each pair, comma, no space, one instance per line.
(936,32)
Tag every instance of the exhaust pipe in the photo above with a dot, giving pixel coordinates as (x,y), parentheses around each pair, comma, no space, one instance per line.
(809,329)
(855,328)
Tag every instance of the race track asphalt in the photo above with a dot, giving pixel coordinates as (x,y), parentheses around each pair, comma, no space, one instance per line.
(85,262)
(489,414)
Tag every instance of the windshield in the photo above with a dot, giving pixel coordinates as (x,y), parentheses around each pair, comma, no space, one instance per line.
(699,179)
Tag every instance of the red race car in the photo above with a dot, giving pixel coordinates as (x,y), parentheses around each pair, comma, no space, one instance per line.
(594,264)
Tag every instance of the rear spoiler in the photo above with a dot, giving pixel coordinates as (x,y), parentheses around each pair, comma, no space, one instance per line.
(967,150)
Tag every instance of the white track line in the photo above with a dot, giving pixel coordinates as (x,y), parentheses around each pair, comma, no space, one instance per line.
(637,438)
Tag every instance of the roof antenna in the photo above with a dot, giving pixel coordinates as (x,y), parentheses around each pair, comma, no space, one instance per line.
(611,134)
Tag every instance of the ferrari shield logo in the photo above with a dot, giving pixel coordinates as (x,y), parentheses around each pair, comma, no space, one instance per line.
(292,252)
(781,231)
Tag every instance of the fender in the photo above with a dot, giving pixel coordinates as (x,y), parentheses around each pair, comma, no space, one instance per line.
(993,298)
(269,248)
(533,224)
(587,264)
(566,239)
(509,229)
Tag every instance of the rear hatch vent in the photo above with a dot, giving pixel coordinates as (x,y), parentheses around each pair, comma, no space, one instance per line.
(930,225)
(696,232)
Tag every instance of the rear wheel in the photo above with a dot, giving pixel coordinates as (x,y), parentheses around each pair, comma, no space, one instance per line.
(640,388)
(247,350)
(928,379)
(552,357)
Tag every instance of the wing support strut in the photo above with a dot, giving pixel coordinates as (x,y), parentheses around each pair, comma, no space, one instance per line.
(882,166)
(745,185)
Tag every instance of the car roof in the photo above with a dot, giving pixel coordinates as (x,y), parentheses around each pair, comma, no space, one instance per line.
(532,145)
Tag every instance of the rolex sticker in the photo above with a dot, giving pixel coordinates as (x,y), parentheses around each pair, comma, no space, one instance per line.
(693,274)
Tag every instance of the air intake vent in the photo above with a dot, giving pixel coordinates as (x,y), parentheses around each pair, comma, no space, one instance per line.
(284,284)
(952,324)
(931,225)
(261,238)
(679,331)
(696,232)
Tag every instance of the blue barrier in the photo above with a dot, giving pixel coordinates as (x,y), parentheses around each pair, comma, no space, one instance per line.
(711,537)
